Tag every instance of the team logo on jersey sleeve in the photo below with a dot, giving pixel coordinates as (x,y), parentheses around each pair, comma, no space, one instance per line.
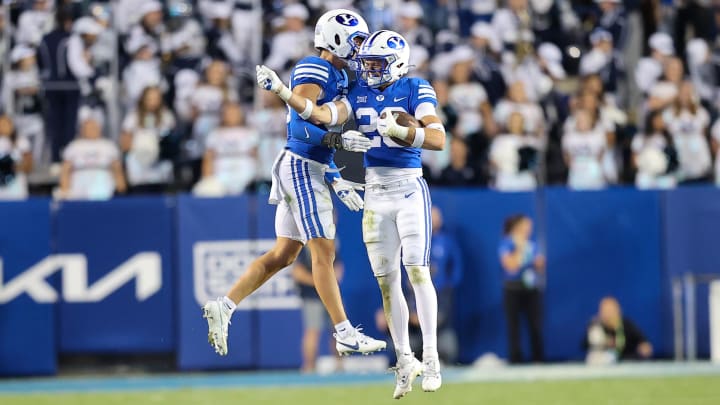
(395,43)
(348,20)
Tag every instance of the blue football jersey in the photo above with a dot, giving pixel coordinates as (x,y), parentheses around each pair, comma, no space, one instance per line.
(368,104)
(334,83)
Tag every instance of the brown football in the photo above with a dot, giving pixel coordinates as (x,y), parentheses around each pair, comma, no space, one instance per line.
(406,120)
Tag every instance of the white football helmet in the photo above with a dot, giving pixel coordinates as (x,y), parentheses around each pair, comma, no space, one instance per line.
(341,32)
(383,58)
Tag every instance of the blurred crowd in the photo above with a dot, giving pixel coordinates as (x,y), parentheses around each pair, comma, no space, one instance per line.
(138,96)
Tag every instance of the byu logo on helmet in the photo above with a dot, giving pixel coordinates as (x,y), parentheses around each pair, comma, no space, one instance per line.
(396,43)
(347,19)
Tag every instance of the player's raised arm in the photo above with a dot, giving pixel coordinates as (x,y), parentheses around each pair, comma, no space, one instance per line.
(303,99)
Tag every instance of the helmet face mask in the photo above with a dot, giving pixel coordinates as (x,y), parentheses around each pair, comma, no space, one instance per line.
(383,58)
(374,70)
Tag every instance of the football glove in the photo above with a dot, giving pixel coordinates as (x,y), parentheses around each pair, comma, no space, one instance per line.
(387,126)
(269,80)
(345,191)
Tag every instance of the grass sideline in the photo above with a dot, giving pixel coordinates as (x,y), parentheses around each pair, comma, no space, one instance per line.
(696,390)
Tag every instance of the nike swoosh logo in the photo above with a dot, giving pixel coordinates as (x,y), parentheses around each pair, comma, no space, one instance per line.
(409,194)
(307,134)
(356,346)
(398,99)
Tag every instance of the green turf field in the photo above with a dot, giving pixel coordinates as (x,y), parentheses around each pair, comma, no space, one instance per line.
(633,391)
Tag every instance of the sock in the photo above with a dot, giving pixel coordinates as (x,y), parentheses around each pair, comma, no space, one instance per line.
(427,307)
(343,329)
(229,304)
(396,312)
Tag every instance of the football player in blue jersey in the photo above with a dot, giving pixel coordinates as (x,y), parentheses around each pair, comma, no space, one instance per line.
(397,200)
(304,205)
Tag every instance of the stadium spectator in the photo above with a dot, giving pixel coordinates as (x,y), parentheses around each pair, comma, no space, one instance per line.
(523,270)
(91,168)
(61,89)
(143,71)
(514,155)
(663,93)
(468,98)
(15,162)
(613,19)
(143,131)
(649,69)
(22,99)
(269,121)
(292,43)
(703,73)
(486,69)
(34,23)
(80,58)
(183,39)
(459,173)
(149,24)
(687,121)
(314,316)
(206,101)
(602,60)
(231,152)
(222,44)
(654,155)
(513,24)
(584,148)
(612,337)
(517,101)
(409,22)
(698,14)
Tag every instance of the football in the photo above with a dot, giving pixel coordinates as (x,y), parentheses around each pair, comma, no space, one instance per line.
(406,120)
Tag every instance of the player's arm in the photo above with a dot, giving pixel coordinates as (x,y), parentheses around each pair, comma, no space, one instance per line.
(303,99)
(431,136)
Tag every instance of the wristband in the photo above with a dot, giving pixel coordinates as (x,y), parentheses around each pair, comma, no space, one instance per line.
(285,93)
(419,138)
(308,109)
(333,113)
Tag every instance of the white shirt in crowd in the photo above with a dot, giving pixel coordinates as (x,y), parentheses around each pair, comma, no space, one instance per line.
(189,37)
(647,72)
(715,133)
(531,112)
(272,127)
(138,75)
(649,152)
(91,161)
(288,46)
(466,99)
(25,109)
(505,155)
(688,133)
(33,25)
(17,189)
(142,162)
(79,65)
(235,165)
(585,152)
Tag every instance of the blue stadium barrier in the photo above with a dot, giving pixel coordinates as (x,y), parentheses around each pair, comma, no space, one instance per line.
(125,304)
(207,235)
(27,328)
(622,242)
(691,220)
(602,243)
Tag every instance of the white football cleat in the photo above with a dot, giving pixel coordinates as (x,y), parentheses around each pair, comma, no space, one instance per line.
(218,318)
(407,370)
(358,342)
(432,380)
